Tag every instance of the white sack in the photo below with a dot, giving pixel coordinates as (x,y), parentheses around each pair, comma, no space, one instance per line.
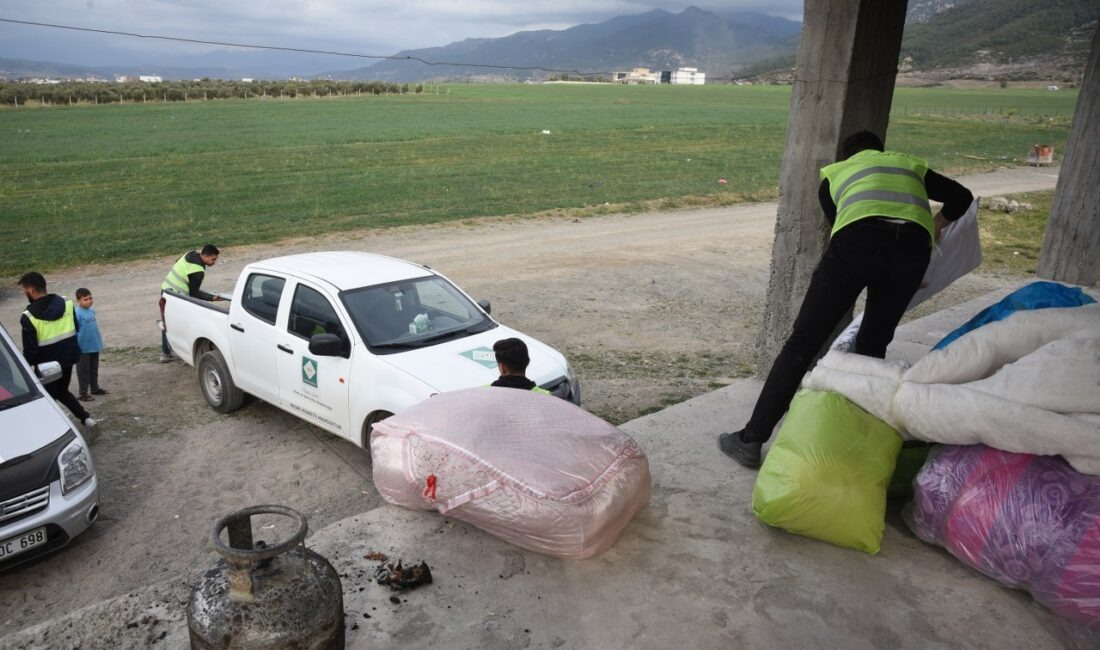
(1029,384)
(531,469)
(958,252)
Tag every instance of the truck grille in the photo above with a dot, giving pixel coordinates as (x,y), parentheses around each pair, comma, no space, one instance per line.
(25,504)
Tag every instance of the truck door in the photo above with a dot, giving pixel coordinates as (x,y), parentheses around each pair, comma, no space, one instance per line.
(311,386)
(253,335)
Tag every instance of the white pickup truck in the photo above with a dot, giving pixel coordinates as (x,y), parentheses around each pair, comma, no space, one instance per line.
(345,339)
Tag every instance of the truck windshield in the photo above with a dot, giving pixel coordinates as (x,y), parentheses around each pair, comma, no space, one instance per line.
(16,386)
(413,314)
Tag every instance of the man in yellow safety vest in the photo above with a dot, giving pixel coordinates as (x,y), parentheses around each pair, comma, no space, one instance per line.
(883,231)
(512,361)
(49,334)
(185,277)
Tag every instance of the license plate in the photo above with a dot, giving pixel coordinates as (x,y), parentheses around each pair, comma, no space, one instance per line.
(25,542)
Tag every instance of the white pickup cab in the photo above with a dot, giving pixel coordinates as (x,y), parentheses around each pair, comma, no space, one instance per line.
(345,339)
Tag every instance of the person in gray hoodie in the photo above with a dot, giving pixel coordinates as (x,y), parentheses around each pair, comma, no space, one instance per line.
(49,329)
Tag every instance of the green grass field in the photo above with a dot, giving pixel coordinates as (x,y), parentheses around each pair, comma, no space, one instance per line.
(1011,241)
(105,183)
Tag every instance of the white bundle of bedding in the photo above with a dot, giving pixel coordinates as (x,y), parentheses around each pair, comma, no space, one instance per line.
(1028,384)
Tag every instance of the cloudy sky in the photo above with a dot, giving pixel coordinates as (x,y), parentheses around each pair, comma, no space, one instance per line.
(360,26)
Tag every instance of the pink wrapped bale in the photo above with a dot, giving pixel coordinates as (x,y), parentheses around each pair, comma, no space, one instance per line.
(1029,522)
(531,469)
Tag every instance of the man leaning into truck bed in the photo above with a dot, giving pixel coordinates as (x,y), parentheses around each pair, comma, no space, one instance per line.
(186,277)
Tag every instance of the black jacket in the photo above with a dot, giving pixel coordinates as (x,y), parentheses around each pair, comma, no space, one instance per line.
(66,352)
(514,381)
(194,280)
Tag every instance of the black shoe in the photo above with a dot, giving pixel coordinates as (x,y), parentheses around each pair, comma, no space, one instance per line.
(746,453)
(98,391)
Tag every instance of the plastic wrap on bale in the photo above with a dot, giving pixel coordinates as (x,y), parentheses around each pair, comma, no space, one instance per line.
(1029,522)
(531,469)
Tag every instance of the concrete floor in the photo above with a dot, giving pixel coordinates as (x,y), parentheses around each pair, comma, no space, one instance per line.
(694,569)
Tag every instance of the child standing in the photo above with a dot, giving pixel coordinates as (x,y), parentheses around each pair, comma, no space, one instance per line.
(91,344)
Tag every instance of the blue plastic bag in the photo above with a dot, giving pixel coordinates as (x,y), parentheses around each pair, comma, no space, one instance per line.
(1037,295)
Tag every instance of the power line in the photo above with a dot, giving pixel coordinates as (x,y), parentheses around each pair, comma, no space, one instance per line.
(179,39)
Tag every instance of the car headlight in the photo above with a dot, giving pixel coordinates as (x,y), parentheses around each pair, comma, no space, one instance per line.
(76,466)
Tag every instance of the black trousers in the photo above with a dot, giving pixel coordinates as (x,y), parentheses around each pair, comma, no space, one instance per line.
(59,390)
(889,260)
(87,372)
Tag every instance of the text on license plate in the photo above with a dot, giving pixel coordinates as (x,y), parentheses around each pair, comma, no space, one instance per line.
(25,542)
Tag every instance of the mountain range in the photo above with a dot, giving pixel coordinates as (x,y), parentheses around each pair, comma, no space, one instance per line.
(656,39)
(939,34)
(1006,40)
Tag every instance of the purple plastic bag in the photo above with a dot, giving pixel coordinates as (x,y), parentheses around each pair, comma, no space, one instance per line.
(1029,522)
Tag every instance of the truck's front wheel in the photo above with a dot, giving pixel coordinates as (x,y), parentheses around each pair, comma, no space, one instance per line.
(217,384)
(372,419)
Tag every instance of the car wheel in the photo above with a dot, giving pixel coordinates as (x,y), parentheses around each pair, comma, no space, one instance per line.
(217,384)
(373,418)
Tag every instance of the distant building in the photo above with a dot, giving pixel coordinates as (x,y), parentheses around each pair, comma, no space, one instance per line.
(683,76)
(246,80)
(150,78)
(636,76)
(121,78)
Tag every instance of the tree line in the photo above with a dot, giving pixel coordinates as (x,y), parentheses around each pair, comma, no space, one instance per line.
(88,92)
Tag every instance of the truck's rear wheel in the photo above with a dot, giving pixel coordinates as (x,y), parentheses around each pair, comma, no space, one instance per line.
(217,384)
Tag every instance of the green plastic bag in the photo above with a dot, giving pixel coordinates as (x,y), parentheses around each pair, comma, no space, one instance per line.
(825,476)
(911,459)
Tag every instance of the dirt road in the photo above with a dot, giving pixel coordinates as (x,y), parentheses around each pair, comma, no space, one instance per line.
(651,309)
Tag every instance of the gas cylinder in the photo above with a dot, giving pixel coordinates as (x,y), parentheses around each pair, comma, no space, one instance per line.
(279,595)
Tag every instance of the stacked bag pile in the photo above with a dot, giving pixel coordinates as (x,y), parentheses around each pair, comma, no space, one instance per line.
(1015,491)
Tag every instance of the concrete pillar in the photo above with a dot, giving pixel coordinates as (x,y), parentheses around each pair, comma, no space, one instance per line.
(844,83)
(1071,247)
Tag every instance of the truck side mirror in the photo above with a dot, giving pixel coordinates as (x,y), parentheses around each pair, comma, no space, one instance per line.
(326,345)
(484,304)
(49,371)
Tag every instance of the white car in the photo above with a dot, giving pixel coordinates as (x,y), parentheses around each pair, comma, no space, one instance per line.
(48,489)
(345,339)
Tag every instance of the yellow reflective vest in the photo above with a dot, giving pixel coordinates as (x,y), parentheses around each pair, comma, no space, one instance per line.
(49,332)
(879,184)
(536,389)
(177,277)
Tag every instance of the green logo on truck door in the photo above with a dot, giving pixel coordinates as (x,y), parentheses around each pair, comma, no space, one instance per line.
(309,372)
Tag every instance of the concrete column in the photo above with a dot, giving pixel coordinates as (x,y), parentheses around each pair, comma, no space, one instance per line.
(844,83)
(1071,247)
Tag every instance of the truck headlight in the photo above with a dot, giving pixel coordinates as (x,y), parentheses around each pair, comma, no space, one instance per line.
(75,464)
(574,385)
